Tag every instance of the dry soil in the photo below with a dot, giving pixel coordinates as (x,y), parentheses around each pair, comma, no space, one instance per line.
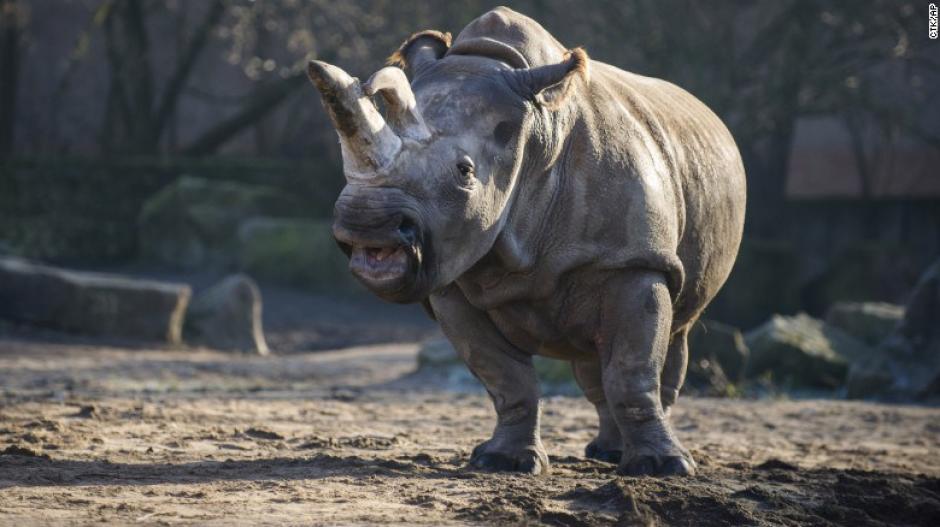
(112,435)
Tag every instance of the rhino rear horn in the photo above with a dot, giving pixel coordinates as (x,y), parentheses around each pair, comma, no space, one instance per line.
(403,115)
(369,145)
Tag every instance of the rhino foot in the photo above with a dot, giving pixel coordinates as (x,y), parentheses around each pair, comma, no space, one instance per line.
(530,459)
(657,465)
(597,451)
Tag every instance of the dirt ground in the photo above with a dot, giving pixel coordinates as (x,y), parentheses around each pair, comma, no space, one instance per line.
(109,435)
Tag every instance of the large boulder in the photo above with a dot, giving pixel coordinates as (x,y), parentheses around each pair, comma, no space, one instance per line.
(192,223)
(802,351)
(92,303)
(870,322)
(705,377)
(227,316)
(907,364)
(717,358)
(719,343)
(293,252)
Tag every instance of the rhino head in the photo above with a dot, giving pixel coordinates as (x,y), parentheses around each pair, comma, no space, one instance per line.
(430,182)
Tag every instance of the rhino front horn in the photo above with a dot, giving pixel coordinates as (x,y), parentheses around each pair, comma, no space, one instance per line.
(369,145)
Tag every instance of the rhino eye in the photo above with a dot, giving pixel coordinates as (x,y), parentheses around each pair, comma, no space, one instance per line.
(465,166)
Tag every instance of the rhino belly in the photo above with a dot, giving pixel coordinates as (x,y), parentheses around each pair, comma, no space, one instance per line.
(555,327)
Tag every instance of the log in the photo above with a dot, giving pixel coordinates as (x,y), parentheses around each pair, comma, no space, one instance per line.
(92,303)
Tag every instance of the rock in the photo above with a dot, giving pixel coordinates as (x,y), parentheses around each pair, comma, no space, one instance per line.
(907,363)
(294,252)
(870,322)
(717,358)
(921,323)
(192,223)
(719,343)
(227,316)
(706,377)
(92,303)
(802,351)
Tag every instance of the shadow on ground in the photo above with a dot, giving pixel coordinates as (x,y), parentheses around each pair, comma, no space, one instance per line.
(773,493)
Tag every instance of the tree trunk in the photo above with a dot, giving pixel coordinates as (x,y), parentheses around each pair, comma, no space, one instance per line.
(262,128)
(9,72)
(768,165)
(139,77)
(184,67)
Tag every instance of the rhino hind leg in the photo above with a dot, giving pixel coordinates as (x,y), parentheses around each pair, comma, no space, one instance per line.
(510,379)
(635,332)
(674,369)
(608,445)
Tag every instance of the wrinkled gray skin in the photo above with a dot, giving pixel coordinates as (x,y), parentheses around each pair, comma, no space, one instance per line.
(541,203)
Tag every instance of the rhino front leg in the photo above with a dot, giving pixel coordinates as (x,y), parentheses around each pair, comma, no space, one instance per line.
(608,445)
(635,330)
(509,378)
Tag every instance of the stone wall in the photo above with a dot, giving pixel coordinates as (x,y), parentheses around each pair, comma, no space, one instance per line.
(81,211)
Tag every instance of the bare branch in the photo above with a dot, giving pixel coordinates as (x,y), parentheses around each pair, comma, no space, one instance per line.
(264,100)
(185,65)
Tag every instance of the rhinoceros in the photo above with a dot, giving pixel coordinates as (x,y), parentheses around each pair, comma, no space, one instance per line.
(538,202)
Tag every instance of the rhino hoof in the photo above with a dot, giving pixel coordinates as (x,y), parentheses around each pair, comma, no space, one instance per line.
(527,460)
(652,465)
(593,451)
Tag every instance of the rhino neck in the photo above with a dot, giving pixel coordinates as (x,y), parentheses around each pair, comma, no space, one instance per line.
(524,261)
(538,190)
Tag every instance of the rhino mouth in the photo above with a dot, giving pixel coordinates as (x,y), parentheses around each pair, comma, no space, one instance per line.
(388,265)
(379,265)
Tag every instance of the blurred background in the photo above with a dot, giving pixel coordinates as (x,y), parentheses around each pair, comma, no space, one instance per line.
(181,140)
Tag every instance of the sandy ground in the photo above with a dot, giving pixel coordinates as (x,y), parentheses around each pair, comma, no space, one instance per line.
(108,435)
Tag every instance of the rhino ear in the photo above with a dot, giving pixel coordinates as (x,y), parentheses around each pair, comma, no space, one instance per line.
(419,50)
(549,86)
